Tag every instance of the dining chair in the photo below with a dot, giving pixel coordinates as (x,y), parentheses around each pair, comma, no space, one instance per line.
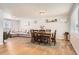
(45,39)
(39,40)
(32,37)
(54,37)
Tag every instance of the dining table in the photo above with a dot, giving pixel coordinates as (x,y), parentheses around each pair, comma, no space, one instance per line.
(45,34)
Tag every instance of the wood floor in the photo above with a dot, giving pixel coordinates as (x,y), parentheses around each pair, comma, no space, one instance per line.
(23,46)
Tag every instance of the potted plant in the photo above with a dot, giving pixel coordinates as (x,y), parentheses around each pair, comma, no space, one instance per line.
(5,36)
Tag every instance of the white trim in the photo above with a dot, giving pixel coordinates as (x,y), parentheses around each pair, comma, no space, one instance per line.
(74,48)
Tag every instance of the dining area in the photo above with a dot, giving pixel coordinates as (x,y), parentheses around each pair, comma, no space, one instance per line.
(43,36)
(39,29)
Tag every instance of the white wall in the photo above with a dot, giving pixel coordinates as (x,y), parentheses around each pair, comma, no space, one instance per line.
(1,32)
(1,28)
(61,25)
(74,38)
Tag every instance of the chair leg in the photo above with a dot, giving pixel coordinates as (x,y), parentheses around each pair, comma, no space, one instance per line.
(32,40)
(39,43)
(54,43)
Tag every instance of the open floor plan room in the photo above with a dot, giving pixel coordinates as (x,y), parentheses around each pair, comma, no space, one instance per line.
(39,28)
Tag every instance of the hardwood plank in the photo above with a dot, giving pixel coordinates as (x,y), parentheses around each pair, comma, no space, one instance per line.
(23,46)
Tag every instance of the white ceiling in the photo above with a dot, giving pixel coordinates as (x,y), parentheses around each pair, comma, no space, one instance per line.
(33,9)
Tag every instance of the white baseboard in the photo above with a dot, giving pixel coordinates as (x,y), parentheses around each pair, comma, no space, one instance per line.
(76,50)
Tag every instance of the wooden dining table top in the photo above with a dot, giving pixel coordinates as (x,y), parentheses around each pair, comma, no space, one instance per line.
(44,33)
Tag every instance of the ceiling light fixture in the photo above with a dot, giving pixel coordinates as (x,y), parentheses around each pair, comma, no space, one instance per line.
(43,12)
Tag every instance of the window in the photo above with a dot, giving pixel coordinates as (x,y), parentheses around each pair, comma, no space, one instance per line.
(6,25)
(77,22)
